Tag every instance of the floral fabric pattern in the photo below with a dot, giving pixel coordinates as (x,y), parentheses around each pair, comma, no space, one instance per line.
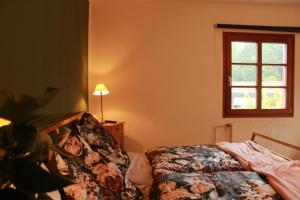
(203,172)
(99,179)
(242,185)
(172,185)
(102,142)
(192,159)
(218,185)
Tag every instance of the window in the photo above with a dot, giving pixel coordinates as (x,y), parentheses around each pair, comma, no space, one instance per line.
(258,75)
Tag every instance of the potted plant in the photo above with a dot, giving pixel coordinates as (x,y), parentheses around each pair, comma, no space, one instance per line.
(22,149)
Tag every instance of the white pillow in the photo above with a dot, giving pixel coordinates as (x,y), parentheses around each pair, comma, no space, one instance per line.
(139,172)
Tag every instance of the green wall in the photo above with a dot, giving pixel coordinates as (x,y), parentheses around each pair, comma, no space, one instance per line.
(44,43)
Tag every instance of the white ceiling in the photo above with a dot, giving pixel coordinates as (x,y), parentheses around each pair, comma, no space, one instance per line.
(288,2)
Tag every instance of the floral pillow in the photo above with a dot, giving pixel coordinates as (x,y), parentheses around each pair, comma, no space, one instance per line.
(101,141)
(97,177)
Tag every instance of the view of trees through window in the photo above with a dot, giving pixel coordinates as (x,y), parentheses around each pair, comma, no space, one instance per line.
(246,75)
(258,74)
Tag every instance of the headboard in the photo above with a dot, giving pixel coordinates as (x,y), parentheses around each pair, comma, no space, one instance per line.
(276,141)
(50,123)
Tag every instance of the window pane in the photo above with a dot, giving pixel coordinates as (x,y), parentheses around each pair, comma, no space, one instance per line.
(244,52)
(243,75)
(273,75)
(273,53)
(243,98)
(273,98)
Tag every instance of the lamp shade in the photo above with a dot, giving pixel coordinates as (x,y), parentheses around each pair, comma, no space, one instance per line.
(100,90)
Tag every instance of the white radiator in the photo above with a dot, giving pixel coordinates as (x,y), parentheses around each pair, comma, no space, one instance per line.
(239,131)
(243,130)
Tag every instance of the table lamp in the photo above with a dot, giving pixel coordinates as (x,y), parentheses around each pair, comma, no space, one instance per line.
(101,90)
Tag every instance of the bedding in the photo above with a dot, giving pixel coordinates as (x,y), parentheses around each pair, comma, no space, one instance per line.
(139,172)
(191,159)
(284,177)
(250,154)
(217,185)
(105,164)
(101,141)
(206,172)
(101,179)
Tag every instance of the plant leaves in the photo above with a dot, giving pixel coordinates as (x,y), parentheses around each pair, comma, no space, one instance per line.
(22,108)
(25,138)
(47,96)
(31,178)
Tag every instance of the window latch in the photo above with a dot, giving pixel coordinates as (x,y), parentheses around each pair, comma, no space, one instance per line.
(229,79)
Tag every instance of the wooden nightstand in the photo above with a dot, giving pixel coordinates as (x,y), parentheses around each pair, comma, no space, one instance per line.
(117,131)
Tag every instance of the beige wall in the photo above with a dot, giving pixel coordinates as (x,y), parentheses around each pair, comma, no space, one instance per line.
(162,62)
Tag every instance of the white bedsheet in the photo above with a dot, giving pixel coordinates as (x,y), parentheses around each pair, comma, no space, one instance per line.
(139,172)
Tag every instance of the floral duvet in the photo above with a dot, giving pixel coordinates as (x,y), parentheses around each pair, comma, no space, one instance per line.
(203,172)
(195,159)
(217,185)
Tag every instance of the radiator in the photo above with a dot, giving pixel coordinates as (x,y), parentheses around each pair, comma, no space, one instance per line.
(243,130)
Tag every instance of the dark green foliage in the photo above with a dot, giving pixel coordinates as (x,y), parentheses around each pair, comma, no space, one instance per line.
(23,108)
(21,149)
(31,178)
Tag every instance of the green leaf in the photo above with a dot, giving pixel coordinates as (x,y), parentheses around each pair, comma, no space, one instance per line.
(30,178)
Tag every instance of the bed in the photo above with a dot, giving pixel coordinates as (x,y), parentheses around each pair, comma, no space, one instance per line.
(223,171)
(167,173)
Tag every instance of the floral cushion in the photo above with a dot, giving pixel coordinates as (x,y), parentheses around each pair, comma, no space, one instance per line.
(218,185)
(97,177)
(101,141)
(196,159)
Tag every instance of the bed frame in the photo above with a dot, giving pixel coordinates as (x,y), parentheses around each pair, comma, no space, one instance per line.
(254,134)
(50,123)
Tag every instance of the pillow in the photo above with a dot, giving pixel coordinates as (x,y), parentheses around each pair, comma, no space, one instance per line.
(99,179)
(101,141)
(139,172)
(140,169)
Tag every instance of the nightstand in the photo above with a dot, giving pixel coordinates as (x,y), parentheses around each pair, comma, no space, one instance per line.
(117,131)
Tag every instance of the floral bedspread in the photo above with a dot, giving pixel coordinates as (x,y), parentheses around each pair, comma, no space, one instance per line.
(203,172)
(101,180)
(195,159)
(101,175)
(217,185)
